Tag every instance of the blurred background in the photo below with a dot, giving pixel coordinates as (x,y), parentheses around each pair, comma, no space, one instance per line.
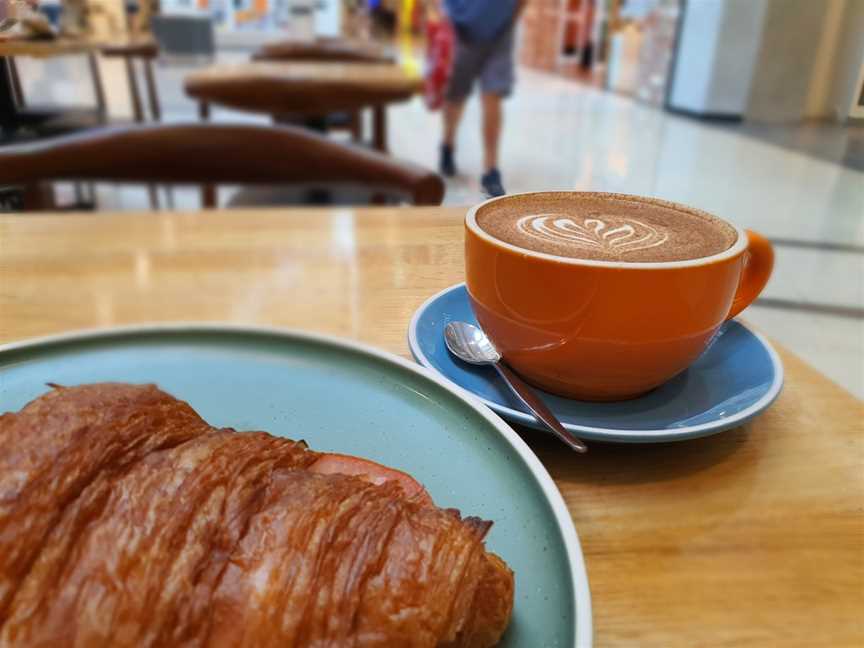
(750,109)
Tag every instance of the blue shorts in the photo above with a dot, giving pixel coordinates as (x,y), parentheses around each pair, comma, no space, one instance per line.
(490,62)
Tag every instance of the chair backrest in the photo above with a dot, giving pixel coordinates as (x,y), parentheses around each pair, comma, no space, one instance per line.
(210,154)
(328,50)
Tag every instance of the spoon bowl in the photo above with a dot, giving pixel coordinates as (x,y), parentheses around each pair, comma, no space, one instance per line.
(470,344)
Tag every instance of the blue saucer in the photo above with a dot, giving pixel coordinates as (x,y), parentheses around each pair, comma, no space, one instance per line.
(734,380)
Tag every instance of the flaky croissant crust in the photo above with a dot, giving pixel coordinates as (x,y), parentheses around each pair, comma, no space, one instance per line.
(126,520)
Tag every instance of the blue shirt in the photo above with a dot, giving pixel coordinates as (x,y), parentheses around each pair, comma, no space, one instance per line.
(481,20)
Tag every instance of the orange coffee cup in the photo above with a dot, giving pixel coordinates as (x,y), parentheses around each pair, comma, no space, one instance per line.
(605,330)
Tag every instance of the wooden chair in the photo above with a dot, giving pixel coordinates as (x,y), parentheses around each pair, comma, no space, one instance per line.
(285,90)
(325,50)
(48,121)
(146,51)
(52,121)
(208,155)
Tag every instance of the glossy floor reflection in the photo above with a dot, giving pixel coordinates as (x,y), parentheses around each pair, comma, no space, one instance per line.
(560,134)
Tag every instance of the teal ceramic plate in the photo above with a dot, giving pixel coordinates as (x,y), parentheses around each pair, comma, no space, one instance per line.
(348,398)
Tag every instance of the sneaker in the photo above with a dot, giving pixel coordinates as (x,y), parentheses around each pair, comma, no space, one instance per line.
(448,164)
(491,182)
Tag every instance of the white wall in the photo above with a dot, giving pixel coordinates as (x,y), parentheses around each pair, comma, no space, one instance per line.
(819,97)
(788,53)
(716,57)
(734,65)
(770,60)
(849,62)
(697,48)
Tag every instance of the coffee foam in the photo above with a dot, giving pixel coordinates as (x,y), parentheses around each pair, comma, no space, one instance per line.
(605,227)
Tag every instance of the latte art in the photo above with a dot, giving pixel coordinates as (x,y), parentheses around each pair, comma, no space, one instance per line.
(605,227)
(601,232)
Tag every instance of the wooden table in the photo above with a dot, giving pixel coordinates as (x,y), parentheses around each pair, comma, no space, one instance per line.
(313,89)
(146,50)
(753,537)
(9,83)
(43,48)
(67,46)
(127,48)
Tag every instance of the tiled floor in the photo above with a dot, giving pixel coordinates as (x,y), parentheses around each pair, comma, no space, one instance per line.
(560,134)
(819,138)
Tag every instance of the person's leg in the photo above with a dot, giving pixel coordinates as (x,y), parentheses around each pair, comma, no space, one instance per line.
(463,73)
(452,116)
(497,83)
(491,130)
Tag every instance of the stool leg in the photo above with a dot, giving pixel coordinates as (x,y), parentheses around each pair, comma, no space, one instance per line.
(208,191)
(379,128)
(152,91)
(208,196)
(356,126)
(98,87)
(153,190)
(134,93)
(17,91)
(39,197)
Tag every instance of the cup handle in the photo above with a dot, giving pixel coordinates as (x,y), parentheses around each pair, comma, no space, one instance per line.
(757,270)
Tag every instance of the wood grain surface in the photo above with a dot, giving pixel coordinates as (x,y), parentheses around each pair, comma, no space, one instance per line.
(380,75)
(753,537)
(324,49)
(306,87)
(140,47)
(44,48)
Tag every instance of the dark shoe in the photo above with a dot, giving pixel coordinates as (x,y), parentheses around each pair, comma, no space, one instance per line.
(491,182)
(448,164)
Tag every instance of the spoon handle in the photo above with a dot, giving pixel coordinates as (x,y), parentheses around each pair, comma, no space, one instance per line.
(528,396)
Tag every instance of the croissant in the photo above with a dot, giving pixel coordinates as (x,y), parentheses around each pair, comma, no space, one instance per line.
(126,520)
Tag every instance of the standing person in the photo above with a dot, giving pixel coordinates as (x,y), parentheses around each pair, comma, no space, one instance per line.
(484,50)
